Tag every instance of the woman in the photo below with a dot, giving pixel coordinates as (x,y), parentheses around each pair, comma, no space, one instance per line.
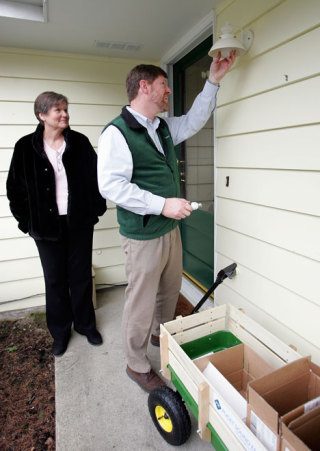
(53,193)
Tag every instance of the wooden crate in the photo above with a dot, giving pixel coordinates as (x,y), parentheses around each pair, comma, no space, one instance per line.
(174,361)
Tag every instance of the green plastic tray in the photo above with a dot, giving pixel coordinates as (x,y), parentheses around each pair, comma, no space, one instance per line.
(222,339)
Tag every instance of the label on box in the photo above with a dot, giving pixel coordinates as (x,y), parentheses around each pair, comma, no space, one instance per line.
(237,426)
(312,404)
(263,433)
(226,390)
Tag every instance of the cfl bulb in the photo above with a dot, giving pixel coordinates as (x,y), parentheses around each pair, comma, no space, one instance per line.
(196,205)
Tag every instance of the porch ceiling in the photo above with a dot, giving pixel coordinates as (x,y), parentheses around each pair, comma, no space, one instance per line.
(77,25)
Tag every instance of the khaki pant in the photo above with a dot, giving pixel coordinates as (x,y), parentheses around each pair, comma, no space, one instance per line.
(154,273)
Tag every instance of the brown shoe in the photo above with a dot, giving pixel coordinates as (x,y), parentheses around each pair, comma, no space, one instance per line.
(147,381)
(155,340)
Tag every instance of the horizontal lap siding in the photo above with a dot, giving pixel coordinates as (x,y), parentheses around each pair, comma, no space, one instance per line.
(284,229)
(95,88)
(58,67)
(25,263)
(290,148)
(268,134)
(15,113)
(288,190)
(290,106)
(282,267)
(76,90)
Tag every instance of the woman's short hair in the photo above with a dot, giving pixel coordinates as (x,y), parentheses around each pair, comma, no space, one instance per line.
(142,72)
(46,100)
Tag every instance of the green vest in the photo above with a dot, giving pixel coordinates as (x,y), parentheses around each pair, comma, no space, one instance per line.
(153,172)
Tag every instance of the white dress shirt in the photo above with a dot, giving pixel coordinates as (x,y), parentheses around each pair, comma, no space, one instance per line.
(115,164)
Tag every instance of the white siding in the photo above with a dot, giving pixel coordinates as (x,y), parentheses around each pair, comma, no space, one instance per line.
(267,138)
(96,91)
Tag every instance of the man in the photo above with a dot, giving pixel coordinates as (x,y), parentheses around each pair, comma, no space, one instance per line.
(137,170)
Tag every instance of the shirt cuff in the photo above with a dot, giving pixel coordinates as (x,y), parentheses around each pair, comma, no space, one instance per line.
(156,205)
(212,85)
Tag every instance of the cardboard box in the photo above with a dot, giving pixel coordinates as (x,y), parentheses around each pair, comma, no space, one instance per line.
(229,372)
(300,410)
(288,389)
(303,433)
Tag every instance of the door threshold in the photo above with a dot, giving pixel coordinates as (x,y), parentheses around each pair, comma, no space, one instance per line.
(191,291)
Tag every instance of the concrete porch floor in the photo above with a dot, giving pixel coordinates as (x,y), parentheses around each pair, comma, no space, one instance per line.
(98,408)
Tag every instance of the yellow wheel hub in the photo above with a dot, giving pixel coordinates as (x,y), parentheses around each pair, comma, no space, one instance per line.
(163,418)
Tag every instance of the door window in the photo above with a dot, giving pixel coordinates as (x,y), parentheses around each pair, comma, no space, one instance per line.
(196,168)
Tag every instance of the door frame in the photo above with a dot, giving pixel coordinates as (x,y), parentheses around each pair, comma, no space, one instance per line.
(197,34)
(199,228)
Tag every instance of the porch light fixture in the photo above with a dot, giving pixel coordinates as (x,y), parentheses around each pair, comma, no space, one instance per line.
(228,41)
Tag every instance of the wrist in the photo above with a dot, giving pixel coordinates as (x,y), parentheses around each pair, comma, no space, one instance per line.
(213,81)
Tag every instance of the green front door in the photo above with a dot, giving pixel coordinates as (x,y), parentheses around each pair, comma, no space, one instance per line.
(196,167)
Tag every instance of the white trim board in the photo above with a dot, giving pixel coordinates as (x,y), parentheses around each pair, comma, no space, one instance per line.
(193,294)
(195,36)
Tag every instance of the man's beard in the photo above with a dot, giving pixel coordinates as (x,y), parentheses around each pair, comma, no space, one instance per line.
(165,107)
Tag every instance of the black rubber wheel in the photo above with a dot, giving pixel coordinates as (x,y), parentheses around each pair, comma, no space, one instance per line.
(169,415)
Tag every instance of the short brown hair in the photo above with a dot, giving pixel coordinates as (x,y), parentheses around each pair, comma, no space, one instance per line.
(142,72)
(46,100)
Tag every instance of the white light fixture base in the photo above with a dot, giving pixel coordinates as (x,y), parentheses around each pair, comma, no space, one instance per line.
(247,39)
(228,41)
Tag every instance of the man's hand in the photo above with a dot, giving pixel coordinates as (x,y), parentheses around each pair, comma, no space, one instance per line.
(176,208)
(220,66)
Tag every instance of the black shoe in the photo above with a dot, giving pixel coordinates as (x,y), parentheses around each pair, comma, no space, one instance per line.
(93,336)
(59,347)
(155,340)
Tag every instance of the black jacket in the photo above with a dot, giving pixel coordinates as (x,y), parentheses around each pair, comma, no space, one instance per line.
(31,185)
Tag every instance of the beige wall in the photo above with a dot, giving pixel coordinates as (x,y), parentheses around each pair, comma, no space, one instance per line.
(267,136)
(95,88)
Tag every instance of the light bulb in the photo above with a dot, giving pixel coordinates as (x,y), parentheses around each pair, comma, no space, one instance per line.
(196,205)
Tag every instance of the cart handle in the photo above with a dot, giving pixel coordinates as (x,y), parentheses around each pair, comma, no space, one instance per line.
(228,271)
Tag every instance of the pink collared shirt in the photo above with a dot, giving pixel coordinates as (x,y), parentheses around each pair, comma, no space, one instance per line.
(55,158)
